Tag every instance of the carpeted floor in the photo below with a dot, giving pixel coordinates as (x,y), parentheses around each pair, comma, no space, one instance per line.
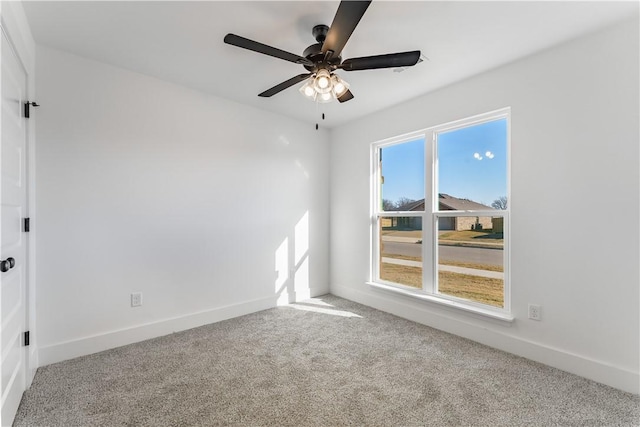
(325,362)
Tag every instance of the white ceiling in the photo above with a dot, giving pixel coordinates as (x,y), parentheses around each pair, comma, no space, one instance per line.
(181,42)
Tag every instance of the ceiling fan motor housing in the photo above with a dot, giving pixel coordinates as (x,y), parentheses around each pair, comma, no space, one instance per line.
(314,52)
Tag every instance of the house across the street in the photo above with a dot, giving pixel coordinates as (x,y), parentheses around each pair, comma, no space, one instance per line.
(448,203)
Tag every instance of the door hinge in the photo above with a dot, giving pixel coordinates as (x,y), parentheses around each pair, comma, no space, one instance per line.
(26,224)
(27,108)
(26,338)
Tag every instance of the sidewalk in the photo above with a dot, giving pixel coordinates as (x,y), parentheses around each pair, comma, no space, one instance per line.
(450,268)
(401,239)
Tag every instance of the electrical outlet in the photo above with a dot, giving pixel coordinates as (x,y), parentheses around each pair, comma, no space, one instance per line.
(534,312)
(136,299)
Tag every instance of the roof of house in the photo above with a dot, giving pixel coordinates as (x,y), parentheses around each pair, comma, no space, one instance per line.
(449,203)
(455,204)
(418,205)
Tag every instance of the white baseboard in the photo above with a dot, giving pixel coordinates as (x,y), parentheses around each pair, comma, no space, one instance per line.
(112,339)
(598,371)
(32,363)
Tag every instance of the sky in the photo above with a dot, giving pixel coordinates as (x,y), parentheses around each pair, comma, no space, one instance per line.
(472,164)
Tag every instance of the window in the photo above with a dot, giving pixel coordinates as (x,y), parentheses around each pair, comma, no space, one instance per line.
(441,214)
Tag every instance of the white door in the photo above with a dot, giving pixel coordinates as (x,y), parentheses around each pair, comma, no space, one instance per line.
(12,239)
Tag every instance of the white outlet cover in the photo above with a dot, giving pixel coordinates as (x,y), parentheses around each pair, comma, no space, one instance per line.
(534,312)
(136,299)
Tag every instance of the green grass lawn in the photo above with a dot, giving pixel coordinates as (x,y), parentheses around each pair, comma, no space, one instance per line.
(472,236)
(477,266)
(402,274)
(475,288)
(459,236)
(401,233)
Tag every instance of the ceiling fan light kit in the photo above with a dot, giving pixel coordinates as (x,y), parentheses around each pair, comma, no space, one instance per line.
(324,87)
(323,58)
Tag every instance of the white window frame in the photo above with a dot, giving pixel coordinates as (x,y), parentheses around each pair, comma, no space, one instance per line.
(430,217)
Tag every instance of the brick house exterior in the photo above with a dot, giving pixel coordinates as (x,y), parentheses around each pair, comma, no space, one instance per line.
(448,203)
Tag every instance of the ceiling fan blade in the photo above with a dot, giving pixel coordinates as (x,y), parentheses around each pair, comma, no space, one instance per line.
(282,86)
(345,96)
(347,17)
(245,43)
(391,60)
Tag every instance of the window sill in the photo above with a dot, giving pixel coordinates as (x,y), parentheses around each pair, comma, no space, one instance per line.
(507,318)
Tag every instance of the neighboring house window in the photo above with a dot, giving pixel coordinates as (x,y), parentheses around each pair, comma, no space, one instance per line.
(441,213)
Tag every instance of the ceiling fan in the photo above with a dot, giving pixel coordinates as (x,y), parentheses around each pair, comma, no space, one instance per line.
(323,58)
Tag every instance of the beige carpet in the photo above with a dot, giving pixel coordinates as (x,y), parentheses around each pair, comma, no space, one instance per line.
(326,362)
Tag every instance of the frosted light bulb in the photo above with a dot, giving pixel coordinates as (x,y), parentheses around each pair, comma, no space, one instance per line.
(323,82)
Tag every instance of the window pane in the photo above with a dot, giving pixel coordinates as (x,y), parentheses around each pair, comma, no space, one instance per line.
(402,176)
(401,250)
(471,258)
(472,167)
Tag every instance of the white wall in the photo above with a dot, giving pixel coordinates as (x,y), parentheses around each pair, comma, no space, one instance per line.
(190,199)
(574,206)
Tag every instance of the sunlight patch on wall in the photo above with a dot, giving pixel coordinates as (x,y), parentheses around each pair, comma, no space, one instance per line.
(282,272)
(301,258)
(302,285)
(302,168)
(283,140)
(301,238)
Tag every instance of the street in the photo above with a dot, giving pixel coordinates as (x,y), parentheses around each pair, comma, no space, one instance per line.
(453,253)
